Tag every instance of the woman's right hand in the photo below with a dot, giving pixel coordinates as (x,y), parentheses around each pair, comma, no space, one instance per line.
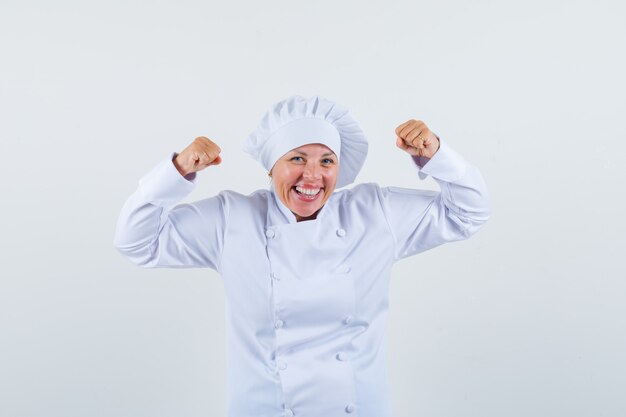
(201,153)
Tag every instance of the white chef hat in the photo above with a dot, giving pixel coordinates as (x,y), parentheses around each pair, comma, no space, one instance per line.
(298,121)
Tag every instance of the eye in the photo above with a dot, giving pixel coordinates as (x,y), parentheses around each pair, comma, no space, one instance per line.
(328,161)
(297,159)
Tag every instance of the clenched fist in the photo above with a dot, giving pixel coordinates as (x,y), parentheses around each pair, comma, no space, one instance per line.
(201,153)
(415,138)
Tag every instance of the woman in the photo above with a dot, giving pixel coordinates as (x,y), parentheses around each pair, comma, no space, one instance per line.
(305,269)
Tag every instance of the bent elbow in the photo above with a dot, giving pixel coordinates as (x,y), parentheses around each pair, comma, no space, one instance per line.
(470,222)
(140,256)
(477,221)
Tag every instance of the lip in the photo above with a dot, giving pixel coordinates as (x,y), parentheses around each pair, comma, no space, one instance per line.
(305,198)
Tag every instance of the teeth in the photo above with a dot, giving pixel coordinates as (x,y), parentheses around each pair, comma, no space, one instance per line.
(308,191)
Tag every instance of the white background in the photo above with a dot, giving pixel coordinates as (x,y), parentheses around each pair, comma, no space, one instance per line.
(527,318)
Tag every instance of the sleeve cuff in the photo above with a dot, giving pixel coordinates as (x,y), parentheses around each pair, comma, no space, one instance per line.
(446,164)
(164,186)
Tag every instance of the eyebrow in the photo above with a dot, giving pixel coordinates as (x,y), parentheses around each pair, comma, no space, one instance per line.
(326,154)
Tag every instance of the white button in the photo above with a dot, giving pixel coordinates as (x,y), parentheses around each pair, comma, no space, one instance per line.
(341,232)
(274,276)
(288,412)
(269,233)
(345,269)
(350,408)
(342,356)
(279,323)
(282,365)
(348,319)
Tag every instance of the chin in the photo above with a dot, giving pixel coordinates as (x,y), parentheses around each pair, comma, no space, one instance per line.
(306,214)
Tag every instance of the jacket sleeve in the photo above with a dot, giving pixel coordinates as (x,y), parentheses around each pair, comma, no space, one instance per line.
(420,219)
(153,232)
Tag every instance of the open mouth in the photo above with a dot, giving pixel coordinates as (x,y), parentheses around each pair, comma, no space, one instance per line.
(307,194)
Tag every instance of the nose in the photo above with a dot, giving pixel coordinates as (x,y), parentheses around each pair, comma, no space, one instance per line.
(312,171)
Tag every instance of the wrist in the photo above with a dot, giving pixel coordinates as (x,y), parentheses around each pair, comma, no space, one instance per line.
(181,170)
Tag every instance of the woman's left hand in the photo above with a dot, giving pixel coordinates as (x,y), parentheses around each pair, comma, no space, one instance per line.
(415,138)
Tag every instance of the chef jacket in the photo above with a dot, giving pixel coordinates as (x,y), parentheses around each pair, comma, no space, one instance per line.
(306,302)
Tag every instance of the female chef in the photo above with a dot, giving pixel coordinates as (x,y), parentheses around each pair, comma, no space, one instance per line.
(305,268)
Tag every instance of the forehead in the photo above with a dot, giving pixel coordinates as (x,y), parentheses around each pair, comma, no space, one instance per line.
(313,149)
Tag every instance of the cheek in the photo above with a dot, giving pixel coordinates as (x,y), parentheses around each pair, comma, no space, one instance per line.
(287,178)
(331,179)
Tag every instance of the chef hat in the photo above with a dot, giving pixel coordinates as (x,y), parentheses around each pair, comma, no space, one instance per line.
(298,121)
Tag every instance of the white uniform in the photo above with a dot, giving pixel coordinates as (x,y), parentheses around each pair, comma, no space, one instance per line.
(306,301)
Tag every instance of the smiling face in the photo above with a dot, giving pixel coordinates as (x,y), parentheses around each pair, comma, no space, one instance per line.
(304,178)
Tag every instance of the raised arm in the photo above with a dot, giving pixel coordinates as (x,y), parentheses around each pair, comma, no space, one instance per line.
(152,231)
(419,219)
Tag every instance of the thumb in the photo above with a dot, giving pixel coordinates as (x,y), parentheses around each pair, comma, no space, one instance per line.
(401,144)
(216,161)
